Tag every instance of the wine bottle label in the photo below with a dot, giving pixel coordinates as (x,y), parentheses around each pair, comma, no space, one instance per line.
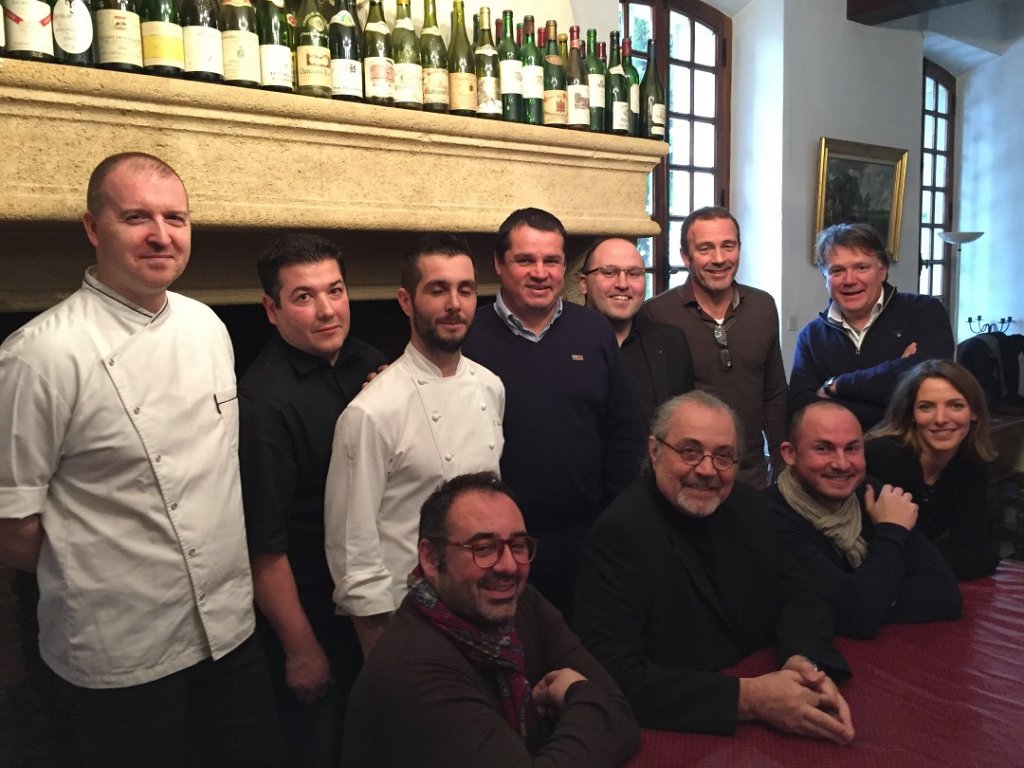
(404,24)
(617,70)
(533,81)
(634,98)
(376,26)
(278,3)
(488,96)
(347,77)
(435,85)
(556,108)
(462,91)
(431,30)
(3,38)
(162,45)
(486,50)
(553,59)
(342,17)
(241,55)
(203,52)
(511,72)
(408,83)
(596,84)
(237,3)
(72,26)
(313,66)
(657,119)
(276,67)
(118,37)
(379,77)
(579,104)
(28,26)
(620,116)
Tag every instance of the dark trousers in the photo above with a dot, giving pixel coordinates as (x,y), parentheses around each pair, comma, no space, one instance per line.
(215,713)
(553,571)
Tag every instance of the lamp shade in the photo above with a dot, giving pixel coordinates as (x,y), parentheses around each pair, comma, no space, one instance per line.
(959,238)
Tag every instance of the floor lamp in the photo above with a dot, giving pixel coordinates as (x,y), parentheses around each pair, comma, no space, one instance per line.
(958,239)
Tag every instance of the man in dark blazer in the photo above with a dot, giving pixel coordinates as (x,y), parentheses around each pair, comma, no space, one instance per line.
(613,281)
(683,576)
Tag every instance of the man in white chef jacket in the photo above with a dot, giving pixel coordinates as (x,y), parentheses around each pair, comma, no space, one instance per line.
(432,415)
(119,488)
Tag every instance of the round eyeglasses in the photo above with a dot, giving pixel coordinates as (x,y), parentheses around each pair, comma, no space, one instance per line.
(612,272)
(487,551)
(693,455)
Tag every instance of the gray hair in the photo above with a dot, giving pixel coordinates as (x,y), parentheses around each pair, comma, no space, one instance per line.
(667,410)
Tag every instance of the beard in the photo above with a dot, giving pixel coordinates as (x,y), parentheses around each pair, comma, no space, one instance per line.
(703,507)
(426,329)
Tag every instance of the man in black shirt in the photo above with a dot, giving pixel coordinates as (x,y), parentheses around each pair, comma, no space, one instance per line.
(290,399)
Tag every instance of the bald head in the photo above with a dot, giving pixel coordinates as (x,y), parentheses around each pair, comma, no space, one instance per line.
(613,280)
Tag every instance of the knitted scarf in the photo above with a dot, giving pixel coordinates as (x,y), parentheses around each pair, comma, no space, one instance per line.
(841,527)
(498,652)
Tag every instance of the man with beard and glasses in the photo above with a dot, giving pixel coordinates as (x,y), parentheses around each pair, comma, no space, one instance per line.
(432,415)
(477,668)
(859,542)
(683,576)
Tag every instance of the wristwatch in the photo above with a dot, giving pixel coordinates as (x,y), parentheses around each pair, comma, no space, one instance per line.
(829,386)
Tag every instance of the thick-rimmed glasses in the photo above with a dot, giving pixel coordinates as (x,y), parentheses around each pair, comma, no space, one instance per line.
(723,341)
(612,272)
(693,454)
(487,552)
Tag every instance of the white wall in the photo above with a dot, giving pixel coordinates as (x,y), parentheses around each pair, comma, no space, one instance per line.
(991,194)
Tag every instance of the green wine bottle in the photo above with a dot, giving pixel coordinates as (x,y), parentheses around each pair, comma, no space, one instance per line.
(595,83)
(27,25)
(652,98)
(312,52)
(556,106)
(408,69)
(346,57)
(488,87)
(72,32)
(434,60)
(617,97)
(461,66)
(200,33)
(378,58)
(510,73)
(275,31)
(576,87)
(633,79)
(163,47)
(240,43)
(118,35)
(533,76)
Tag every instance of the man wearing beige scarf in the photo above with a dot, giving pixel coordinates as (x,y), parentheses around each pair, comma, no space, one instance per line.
(859,542)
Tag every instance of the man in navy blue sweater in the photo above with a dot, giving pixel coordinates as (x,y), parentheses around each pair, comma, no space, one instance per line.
(573,433)
(855,351)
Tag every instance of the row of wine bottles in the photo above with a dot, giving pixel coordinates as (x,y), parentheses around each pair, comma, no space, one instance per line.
(533,75)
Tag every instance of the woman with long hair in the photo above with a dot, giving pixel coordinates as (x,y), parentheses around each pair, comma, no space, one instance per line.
(934,442)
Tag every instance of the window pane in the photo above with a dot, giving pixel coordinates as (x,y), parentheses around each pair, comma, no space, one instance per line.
(679,36)
(704,94)
(927,166)
(929,92)
(943,105)
(940,208)
(940,171)
(926,207)
(640,27)
(675,228)
(940,134)
(929,132)
(938,245)
(926,242)
(704,145)
(677,278)
(703,190)
(923,286)
(641,66)
(679,89)
(646,247)
(622,28)
(678,193)
(649,208)
(678,141)
(937,280)
(703,45)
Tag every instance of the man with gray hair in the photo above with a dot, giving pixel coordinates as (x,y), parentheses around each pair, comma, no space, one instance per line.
(683,576)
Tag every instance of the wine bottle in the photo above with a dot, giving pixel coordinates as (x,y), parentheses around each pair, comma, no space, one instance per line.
(533,76)
(556,107)
(595,83)
(510,73)
(617,95)
(312,52)
(72,32)
(461,66)
(275,37)
(27,28)
(163,46)
(499,28)
(118,35)
(240,43)
(346,57)
(378,58)
(434,59)
(519,35)
(652,98)
(200,33)
(488,87)
(576,85)
(633,80)
(408,69)
(563,48)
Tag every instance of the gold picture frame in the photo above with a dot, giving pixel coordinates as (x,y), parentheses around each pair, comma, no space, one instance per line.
(861,183)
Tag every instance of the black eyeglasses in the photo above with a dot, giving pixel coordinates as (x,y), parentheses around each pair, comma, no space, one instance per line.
(723,341)
(612,272)
(487,552)
(693,454)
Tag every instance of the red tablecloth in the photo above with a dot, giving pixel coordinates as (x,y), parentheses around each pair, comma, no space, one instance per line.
(948,694)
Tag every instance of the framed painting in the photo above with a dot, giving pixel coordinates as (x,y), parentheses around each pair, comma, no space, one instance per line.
(861,183)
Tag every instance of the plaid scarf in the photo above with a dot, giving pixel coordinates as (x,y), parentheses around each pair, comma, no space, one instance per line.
(496,651)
